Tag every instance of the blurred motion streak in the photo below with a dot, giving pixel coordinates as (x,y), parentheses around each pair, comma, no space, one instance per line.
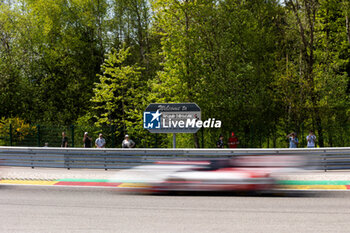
(239,173)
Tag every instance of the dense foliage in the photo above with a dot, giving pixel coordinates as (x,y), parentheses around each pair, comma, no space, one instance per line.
(263,67)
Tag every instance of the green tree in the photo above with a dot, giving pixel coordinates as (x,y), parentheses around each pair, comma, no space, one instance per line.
(220,54)
(315,65)
(15,87)
(53,52)
(119,96)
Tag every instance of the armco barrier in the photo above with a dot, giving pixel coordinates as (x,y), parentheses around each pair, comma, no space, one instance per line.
(323,158)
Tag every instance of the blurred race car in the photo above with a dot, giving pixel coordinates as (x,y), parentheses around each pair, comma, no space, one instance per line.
(239,173)
(212,175)
(209,175)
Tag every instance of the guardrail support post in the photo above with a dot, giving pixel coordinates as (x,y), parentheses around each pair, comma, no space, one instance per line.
(31,162)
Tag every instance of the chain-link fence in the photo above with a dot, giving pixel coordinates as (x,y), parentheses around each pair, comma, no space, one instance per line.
(44,135)
(51,136)
(254,137)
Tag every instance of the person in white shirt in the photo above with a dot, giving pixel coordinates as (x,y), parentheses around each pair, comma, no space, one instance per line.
(128,143)
(100,141)
(311,140)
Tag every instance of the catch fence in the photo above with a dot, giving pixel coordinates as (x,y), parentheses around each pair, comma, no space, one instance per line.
(39,135)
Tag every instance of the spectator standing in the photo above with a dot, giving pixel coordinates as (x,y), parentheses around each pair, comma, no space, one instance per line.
(87,140)
(100,141)
(220,142)
(293,140)
(127,142)
(64,142)
(311,140)
(233,141)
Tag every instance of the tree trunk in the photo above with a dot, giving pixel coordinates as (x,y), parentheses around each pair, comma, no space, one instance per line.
(347,28)
(196,140)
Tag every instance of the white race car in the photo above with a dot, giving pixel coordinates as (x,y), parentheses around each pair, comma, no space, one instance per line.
(213,175)
(210,175)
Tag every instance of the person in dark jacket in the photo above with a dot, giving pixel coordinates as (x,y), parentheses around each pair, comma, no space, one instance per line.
(220,142)
(87,140)
(64,142)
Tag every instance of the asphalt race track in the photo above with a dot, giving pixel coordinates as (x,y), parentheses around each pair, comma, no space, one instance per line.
(62,209)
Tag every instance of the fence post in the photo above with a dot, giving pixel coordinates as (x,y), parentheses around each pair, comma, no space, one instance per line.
(10,134)
(113,127)
(72,132)
(38,135)
(251,133)
(302,134)
(202,137)
(156,145)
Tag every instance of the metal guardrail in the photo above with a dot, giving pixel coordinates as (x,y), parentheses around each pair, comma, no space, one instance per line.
(325,158)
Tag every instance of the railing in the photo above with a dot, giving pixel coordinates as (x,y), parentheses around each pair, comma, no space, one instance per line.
(319,158)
